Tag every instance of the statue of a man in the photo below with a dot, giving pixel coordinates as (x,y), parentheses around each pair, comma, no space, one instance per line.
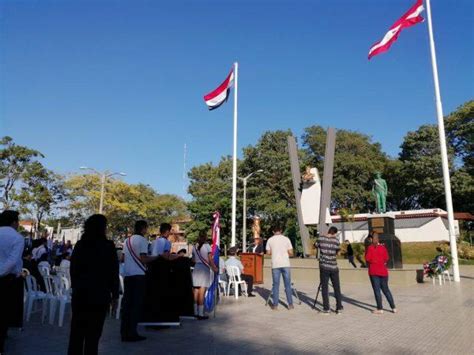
(380,190)
(256,227)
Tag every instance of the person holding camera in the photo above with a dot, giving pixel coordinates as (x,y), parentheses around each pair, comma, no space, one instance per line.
(329,246)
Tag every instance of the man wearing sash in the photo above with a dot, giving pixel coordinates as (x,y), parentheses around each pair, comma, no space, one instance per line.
(135,255)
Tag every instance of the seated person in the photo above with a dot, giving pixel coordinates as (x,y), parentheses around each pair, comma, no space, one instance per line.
(66,262)
(222,274)
(233,261)
(27,261)
(40,249)
(44,264)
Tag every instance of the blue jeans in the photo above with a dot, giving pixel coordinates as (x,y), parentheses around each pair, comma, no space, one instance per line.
(285,271)
(381,283)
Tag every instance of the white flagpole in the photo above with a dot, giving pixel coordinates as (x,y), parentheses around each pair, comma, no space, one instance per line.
(444,154)
(234,163)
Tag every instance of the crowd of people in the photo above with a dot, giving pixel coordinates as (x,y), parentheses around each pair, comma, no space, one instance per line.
(150,273)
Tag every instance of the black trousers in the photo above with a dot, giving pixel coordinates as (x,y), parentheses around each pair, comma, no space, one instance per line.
(249,280)
(86,327)
(351,260)
(325,275)
(11,305)
(132,304)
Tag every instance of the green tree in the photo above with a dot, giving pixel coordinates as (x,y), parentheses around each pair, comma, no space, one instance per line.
(421,173)
(460,132)
(123,203)
(356,160)
(41,191)
(211,188)
(14,160)
(270,193)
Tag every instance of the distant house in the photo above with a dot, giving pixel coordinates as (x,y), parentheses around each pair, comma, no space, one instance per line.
(410,226)
(29,226)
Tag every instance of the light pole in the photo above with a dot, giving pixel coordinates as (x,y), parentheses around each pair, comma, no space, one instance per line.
(103,178)
(244,210)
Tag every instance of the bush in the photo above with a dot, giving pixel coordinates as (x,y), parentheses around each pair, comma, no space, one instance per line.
(465,251)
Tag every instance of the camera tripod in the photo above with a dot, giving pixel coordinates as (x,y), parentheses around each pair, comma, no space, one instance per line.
(317,294)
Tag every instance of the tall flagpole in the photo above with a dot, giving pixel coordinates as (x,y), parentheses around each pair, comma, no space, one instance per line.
(444,153)
(234,163)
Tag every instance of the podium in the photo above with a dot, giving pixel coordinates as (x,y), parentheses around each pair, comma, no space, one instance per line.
(253,265)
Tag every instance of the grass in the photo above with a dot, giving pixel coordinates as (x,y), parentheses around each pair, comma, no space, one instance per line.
(421,252)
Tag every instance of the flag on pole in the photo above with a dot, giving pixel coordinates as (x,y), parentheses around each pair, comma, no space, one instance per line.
(220,95)
(410,18)
(216,237)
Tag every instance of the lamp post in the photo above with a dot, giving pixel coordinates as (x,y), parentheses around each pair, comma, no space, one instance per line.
(244,210)
(103,178)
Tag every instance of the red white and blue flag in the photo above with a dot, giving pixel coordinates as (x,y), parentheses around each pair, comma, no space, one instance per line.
(215,249)
(410,18)
(220,95)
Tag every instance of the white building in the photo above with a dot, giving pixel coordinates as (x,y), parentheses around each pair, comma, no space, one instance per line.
(410,226)
(72,234)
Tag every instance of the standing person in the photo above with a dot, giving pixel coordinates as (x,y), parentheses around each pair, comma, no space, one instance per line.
(350,253)
(328,247)
(202,275)
(162,246)
(94,283)
(135,256)
(280,248)
(257,247)
(377,257)
(11,284)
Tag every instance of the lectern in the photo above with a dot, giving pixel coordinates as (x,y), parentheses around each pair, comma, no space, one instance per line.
(253,265)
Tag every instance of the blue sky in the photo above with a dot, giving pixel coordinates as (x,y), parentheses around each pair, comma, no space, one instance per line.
(118,85)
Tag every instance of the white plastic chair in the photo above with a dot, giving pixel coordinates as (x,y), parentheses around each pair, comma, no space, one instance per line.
(63,271)
(50,284)
(119,303)
(445,274)
(233,273)
(63,297)
(223,286)
(438,277)
(33,295)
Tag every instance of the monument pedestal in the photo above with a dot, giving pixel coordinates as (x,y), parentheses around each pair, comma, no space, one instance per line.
(384,225)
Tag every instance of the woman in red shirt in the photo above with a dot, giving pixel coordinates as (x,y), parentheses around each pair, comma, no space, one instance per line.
(377,257)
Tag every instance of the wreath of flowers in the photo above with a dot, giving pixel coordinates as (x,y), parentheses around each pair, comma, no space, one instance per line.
(437,266)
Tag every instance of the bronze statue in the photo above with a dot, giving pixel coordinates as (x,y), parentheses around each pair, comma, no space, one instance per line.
(256,227)
(380,190)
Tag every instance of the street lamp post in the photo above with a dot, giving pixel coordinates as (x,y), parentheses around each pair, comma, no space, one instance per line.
(103,178)
(244,210)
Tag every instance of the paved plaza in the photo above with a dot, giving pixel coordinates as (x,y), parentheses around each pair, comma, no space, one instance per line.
(431,320)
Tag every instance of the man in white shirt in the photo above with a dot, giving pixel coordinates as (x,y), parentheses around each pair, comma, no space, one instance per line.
(40,250)
(233,261)
(11,284)
(280,248)
(135,256)
(257,247)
